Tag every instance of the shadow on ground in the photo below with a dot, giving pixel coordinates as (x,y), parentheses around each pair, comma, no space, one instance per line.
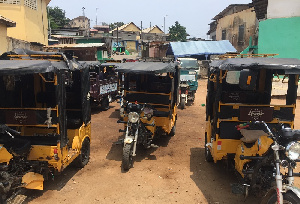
(214,180)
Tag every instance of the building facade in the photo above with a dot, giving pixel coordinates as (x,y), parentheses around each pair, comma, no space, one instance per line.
(31,21)
(236,23)
(4,25)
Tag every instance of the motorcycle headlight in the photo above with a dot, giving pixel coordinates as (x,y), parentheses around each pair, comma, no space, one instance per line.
(133,117)
(293,150)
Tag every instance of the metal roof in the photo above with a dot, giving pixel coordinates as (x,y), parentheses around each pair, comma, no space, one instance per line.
(80,45)
(7,22)
(146,67)
(184,49)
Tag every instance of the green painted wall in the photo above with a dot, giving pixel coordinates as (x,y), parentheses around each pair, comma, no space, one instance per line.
(280,36)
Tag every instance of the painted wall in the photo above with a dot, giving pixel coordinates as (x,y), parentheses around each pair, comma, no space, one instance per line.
(131,46)
(283,9)
(32,25)
(131,27)
(3,38)
(280,36)
(231,24)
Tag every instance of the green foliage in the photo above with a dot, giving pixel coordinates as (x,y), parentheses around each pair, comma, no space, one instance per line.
(115,25)
(177,32)
(57,17)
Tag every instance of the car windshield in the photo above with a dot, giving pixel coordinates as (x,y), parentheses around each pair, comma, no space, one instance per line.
(188,63)
(187,78)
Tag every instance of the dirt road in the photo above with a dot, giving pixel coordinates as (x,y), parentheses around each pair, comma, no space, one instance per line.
(175,172)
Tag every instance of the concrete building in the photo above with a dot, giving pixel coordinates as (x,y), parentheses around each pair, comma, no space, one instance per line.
(4,24)
(82,23)
(31,30)
(153,33)
(236,23)
(127,36)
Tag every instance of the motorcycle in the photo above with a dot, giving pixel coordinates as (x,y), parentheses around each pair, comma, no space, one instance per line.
(140,128)
(183,92)
(261,160)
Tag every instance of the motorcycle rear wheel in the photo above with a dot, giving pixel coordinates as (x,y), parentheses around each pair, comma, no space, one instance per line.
(182,103)
(127,160)
(288,198)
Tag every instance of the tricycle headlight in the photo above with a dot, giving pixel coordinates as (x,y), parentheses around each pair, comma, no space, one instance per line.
(293,150)
(133,117)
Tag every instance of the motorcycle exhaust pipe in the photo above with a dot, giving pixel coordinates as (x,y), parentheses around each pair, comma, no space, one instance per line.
(242,157)
(120,121)
(120,130)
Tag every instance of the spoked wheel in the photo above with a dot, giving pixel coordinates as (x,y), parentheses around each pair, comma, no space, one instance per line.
(288,198)
(84,156)
(105,104)
(208,156)
(127,160)
(182,103)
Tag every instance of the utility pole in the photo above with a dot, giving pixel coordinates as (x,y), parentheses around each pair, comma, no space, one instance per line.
(84,19)
(165,23)
(96,16)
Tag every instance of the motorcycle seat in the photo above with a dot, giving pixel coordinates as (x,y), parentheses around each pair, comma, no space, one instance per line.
(250,136)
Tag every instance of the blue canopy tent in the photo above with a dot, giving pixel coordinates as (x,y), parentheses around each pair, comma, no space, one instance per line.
(197,49)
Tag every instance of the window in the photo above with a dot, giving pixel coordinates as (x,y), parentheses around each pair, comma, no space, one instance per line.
(9,1)
(224,34)
(31,4)
(241,33)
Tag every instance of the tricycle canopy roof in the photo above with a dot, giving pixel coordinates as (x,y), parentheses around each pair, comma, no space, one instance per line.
(289,65)
(35,62)
(146,67)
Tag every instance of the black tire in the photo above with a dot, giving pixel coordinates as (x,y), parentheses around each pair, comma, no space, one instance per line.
(105,104)
(127,160)
(173,130)
(84,157)
(182,103)
(208,156)
(288,198)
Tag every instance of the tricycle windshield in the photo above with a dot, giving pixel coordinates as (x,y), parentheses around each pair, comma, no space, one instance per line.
(187,78)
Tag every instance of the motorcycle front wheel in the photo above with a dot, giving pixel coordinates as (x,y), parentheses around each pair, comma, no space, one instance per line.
(288,198)
(127,160)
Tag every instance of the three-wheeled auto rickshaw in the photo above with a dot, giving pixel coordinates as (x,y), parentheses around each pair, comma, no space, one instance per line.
(244,124)
(45,119)
(189,69)
(103,79)
(149,104)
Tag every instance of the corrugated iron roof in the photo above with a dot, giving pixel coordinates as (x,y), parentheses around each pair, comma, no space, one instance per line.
(124,26)
(183,49)
(80,45)
(7,22)
(238,7)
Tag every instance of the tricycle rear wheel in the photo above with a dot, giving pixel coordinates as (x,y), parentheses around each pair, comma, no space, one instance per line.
(84,156)
(208,156)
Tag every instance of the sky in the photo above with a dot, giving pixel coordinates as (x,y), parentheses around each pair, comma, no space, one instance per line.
(195,15)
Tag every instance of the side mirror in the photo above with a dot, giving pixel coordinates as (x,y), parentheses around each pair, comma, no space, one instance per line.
(248,79)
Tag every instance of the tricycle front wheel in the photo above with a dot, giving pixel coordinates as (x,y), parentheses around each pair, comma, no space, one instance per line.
(127,160)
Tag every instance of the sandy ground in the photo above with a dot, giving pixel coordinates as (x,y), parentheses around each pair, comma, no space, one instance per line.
(175,172)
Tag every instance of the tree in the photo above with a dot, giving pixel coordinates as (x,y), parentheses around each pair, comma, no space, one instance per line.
(115,25)
(57,17)
(177,32)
